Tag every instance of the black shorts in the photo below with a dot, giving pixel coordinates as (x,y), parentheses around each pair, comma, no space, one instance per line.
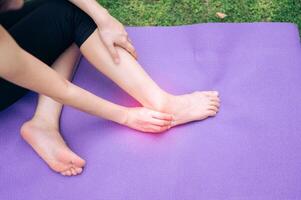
(45,29)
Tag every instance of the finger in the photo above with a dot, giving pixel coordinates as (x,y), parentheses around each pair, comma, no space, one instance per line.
(131,43)
(160,122)
(156,129)
(131,48)
(124,43)
(113,52)
(159,115)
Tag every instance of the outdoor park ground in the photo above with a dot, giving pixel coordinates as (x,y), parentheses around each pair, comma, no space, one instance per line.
(178,12)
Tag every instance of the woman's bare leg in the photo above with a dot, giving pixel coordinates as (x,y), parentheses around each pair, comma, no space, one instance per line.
(42,131)
(131,77)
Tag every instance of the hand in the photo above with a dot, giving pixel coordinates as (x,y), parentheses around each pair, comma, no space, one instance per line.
(147,120)
(113,33)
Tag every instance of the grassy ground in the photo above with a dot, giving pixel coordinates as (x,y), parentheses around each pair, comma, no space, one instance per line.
(177,12)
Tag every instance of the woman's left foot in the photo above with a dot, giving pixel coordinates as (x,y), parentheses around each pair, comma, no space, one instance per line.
(46,140)
(195,106)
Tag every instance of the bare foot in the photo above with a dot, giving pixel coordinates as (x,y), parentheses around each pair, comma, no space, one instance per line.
(50,146)
(192,107)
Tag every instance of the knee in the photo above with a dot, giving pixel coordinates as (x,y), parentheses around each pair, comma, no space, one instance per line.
(71,16)
(57,7)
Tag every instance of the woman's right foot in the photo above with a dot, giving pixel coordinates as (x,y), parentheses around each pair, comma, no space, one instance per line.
(192,107)
(50,146)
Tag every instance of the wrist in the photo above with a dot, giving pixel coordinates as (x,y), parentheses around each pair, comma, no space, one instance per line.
(122,117)
(101,17)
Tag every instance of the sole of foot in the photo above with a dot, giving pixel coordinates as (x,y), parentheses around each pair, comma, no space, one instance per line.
(50,146)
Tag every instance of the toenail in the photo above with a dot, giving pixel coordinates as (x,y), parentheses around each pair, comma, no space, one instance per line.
(79,170)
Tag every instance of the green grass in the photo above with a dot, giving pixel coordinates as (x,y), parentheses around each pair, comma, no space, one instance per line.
(178,12)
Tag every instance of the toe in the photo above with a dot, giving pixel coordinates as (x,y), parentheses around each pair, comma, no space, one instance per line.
(207,93)
(64,173)
(211,95)
(214,108)
(214,103)
(214,98)
(214,93)
(78,170)
(211,113)
(68,172)
(73,171)
(77,161)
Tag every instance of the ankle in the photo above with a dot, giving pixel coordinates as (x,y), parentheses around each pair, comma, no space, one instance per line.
(46,121)
(161,102)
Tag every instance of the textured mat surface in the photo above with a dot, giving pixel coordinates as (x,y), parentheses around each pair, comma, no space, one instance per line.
(251,150)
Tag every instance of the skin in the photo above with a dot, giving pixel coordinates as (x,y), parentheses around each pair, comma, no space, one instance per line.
(13,4)
(23,69)
(111,31)
(42,131)
(132,78)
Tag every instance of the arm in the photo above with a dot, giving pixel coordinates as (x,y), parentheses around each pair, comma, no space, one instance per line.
(23,69)
(112,32)
(98,13)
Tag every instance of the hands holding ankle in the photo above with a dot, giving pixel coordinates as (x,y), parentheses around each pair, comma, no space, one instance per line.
(146,120)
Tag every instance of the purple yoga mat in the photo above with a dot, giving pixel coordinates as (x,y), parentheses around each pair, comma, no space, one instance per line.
(250,150)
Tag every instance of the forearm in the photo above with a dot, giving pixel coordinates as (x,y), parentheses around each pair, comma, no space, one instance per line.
(48,82)
(21,68)
(90,103)
(98,13)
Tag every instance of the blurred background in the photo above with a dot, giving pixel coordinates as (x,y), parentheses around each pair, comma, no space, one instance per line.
(178,12)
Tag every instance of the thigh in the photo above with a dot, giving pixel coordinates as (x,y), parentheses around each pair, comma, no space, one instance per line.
(46,32)
(36,32)
(51,28)
(10,18)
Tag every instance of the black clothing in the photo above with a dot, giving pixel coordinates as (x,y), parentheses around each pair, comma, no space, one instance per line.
(45,29)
